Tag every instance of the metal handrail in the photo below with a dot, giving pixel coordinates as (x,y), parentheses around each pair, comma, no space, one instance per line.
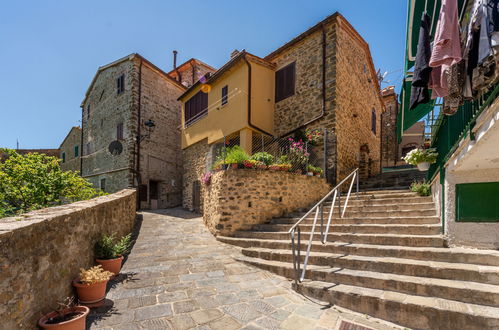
(295,231)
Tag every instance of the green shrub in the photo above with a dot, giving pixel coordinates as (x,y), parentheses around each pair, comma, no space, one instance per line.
(109,247)
(263,157)
(422,188)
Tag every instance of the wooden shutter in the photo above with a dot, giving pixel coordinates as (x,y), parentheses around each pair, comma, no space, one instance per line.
(225,91)
(119,131)
(285,82)
(195,107)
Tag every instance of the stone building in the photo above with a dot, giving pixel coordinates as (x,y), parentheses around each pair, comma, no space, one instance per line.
(324,78)
(389,145)
(71,150)
(130,121)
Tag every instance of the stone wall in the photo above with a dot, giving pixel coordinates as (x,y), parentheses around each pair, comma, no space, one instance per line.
(239,199)
(72,161)
(195,165)
(389,145)
(42,251)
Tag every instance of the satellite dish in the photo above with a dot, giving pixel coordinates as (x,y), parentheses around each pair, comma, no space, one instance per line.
(115,148)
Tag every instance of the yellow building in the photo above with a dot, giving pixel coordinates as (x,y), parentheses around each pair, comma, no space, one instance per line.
(236,100)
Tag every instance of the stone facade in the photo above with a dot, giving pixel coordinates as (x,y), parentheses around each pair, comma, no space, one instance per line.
(116,117)
(196,163)
(71,150)
(240,199)
(189,72)
(43,251)
(389,145)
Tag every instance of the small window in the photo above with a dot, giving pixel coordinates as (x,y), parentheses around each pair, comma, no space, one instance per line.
(195,108)
(119,131)
(103,184)
(63,156)
(225,91)
(77,151)
(373,121)
(88,111)
(120,84)
(285,82)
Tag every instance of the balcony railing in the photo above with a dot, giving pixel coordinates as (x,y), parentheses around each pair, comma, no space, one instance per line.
(450,130)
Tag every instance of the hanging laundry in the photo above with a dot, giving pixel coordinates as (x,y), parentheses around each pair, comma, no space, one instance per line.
(455,81)
(422,70)
(446,47)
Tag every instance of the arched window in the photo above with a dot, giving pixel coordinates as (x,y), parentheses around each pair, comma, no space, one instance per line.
(373,121)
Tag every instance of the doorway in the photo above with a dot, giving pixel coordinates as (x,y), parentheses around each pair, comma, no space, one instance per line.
(153,194)
(196,196)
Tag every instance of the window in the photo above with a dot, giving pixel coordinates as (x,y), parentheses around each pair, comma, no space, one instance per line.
(63,156)
(120,84)
(285,82)
(225,90)
(103,184)
(88,111)
(76,151)
(119,131)
(195,108)
(373,121)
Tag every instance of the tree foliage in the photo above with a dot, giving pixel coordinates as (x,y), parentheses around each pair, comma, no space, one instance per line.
(33,181)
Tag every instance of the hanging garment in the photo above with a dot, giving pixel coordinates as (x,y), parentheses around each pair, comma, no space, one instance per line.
(422,70)
(455,81)
(446,47)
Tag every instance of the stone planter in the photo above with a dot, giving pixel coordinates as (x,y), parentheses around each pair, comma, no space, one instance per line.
(424,166)
(111,265)
(77,323)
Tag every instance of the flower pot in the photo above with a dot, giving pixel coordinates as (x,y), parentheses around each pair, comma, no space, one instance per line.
(77,323)
(224,166)
(111,265)
(310,173)
(234,166)
(90,294)
(424,166)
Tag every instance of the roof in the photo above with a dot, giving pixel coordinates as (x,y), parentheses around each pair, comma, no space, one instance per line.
(227,66)
(69,133)
(129,58)
(183,66)
(388,91)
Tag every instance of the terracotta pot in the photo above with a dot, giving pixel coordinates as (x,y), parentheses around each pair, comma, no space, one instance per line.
(90,293)
(77,323)
(111,265)
(234,166)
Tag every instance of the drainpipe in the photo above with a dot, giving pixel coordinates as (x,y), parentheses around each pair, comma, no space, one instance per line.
(323,27)
(249,98)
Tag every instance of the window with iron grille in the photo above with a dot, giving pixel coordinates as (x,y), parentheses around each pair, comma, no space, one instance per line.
(285,82)
(119,131)
(373,121)
(196,107)
(120,84)
(225,93)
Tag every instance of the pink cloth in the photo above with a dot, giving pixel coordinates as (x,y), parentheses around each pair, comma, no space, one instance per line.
(446,47)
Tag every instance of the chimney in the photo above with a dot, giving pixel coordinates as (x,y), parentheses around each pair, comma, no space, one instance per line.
(179,78)
(234,53)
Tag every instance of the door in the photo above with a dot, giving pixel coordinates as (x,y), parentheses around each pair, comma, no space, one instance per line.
(153,194)
(196,196)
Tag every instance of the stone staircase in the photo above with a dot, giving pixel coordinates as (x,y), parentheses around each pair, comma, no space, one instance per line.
(385,258)
(399,178)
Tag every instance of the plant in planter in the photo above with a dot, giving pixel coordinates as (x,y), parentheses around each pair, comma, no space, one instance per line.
(422,188)
(310,170)
(236,156)
(67,317)
(318,171)
(313,136)
(109,252)
(422,158)
(263,157)
(91,285)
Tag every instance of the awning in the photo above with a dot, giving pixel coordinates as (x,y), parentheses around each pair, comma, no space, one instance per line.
(406,118)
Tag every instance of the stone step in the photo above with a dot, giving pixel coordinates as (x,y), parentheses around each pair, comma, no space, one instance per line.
(412,311)
(367,213)
(377,239)
(369,200)
(410,267)
(463,291)
(451,255)
(432,229)
(384,207)
(377,220)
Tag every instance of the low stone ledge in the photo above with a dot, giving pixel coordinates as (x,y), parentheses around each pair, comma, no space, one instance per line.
(239,199)
(42,251)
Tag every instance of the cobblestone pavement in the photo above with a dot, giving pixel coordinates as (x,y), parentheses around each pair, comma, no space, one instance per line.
(178,276)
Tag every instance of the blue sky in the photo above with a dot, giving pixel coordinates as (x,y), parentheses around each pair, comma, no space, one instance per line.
(50,50)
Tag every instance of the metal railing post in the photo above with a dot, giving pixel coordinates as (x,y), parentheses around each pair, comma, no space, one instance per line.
(357,178)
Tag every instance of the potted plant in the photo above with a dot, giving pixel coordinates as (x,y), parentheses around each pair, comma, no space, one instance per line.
(263,157)
(422,158)
(318,171)
(313,136)
(91,285)
(109,251)
(68,317)
(310,170)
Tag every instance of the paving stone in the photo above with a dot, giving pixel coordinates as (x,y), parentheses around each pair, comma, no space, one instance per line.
(151,312)
(172,296)
(277,301)
(242,312)
(268,323)
(310,311)
(185,306)
(247,295)
(181,322)
(226,299)
(153,324)
(206,315)
(137,302)
(262,307)
(127,326)
(207,302)
(198,292)
(296,322)
(192,277)
(280,314)
(225,323)
(113,318)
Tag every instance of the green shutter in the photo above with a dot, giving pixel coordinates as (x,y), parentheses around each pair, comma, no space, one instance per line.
(76,151)
(63,157)
(477,202)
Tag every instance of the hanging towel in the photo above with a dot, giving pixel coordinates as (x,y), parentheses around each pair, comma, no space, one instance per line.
(446,47)
(422,70)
